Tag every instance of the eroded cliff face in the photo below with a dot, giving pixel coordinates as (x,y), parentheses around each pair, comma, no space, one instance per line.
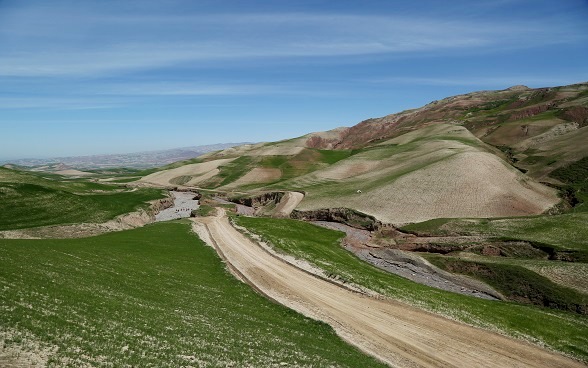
(160,205)
(262,200)
(346,216)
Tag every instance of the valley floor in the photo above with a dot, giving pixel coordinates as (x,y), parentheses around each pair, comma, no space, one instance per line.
(396,333)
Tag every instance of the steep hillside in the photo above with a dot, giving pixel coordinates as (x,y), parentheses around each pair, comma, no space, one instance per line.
(248,167)
(437,171)
(539,129)
(481,154)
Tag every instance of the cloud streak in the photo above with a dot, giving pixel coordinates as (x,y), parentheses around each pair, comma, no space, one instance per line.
(120,94)
(497,81)
(80,43)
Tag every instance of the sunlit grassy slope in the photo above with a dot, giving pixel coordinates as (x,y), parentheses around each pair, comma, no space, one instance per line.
(567,232)
(30,200)
(150,297)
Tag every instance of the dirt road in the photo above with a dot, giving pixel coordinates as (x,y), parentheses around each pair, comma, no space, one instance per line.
(399,335)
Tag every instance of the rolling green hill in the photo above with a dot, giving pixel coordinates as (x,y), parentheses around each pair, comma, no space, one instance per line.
(155,296)
(33,199)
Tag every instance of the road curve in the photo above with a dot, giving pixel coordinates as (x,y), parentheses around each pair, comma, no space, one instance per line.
(395,333)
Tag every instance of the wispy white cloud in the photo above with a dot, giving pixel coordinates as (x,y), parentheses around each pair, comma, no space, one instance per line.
(70,42)
(57,103)
(145,89)
(499,81)
(120,94)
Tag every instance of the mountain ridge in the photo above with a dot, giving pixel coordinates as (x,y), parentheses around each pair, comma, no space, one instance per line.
(138,160)
(480,154)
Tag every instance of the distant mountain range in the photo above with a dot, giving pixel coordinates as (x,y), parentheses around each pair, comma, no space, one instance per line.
(136,160)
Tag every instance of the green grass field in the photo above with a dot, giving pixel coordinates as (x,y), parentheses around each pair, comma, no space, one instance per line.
(567,274)
(28,200)
(150,297)
(516,283)
(563,331)
(565,232)
(575,175)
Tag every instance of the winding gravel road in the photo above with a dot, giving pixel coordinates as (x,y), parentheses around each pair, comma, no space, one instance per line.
(397,334)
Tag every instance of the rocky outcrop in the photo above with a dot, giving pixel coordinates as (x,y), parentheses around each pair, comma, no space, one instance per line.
(346,216)
(260,200)
(577,114)
(160,205)
(316,141)
(532,111)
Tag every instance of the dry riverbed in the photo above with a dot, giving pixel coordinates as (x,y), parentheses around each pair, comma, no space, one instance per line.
(407,265)
(184,204)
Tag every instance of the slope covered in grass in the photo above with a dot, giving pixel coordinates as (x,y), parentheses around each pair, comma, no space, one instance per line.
(565,232)
(575,175)
(562,331)
(517,283)
(560,240)
(29,200)
(155,296)
(253,167)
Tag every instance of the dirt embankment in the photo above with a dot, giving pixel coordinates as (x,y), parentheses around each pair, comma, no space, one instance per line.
(345,216)
(287,204)
(259,200)
(275,204)
(395,333)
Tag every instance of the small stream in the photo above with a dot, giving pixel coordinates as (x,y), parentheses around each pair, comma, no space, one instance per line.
(184,204)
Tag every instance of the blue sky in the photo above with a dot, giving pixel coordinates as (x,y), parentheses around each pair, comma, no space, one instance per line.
(90,77)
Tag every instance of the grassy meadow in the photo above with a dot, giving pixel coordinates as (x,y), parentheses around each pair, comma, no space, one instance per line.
(150,297)
(30,200)
(565,232)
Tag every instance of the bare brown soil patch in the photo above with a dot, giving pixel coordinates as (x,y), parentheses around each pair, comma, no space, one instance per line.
(515,133)
(466,184)
(349,169)
(285,149)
